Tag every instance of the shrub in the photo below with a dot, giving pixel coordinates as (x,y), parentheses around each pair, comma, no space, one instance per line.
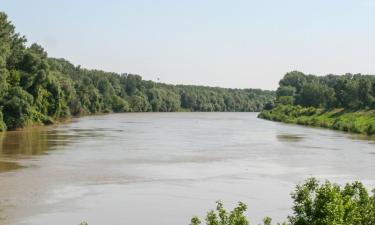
(119,104)
(314,204)
(370,129)
(222,217)
(286,100)
(17,108)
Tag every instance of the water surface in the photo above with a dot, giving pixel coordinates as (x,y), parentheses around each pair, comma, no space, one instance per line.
(163,168)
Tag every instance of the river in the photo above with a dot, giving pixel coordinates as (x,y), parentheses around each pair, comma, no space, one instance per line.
(164,168)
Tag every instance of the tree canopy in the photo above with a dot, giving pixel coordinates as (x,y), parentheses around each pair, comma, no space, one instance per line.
(349,91)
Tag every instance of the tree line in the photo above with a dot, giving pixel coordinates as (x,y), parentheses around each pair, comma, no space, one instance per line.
(340,102)
(349,91)
(35,88)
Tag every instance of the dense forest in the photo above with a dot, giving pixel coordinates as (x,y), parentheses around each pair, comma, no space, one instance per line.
(345,102)
(349,91)
(36,89)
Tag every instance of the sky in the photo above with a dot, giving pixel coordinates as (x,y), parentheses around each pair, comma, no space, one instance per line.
(236,44)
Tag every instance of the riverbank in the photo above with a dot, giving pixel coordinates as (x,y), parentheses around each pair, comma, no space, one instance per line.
(362,121)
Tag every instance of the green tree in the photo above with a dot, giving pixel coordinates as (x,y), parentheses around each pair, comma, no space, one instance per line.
(285,91)
(119,104)
(316,204)
(286,100)
(17,108)
(365,92)
(139,103)
(294,79)
(11,44)
(3,83)
(316,95)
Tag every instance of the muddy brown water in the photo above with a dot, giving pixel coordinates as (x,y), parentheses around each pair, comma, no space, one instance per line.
(163,168)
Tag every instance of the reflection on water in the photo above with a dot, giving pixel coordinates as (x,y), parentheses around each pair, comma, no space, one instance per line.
(364,137)
(23,144)
(289,137)
(37,141)
(27,142)
(5,166)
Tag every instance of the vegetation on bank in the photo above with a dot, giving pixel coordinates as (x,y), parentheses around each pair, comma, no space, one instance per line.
(36,89)
(345,102)
(361,121)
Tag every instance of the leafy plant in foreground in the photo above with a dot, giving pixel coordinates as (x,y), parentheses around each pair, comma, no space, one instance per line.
(222,217)
(314,204)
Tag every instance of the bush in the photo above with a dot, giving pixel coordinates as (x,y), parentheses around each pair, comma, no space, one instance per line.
(286,100)
(310,111)
(119,104)
(328,203)
(269,105)
(314,204)
(17,108)
(357,122)
(370,128)
(222,217)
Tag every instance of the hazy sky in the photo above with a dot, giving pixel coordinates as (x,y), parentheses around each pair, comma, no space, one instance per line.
(210,42)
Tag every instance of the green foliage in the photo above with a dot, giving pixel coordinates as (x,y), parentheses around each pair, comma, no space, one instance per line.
(11,44)
(222,217)
(314,204)
(316,95)
(3,83)
(362,121)
(330,204)
(163,100)
(119,104)
(343,103)
(139,102)
(371,128)
(285,91)
(331,91)
(17,108)
(267,221)
(3,126)
(195,221)
(294,79)
(286,100)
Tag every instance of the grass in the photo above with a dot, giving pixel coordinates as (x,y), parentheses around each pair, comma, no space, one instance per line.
(361,121)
